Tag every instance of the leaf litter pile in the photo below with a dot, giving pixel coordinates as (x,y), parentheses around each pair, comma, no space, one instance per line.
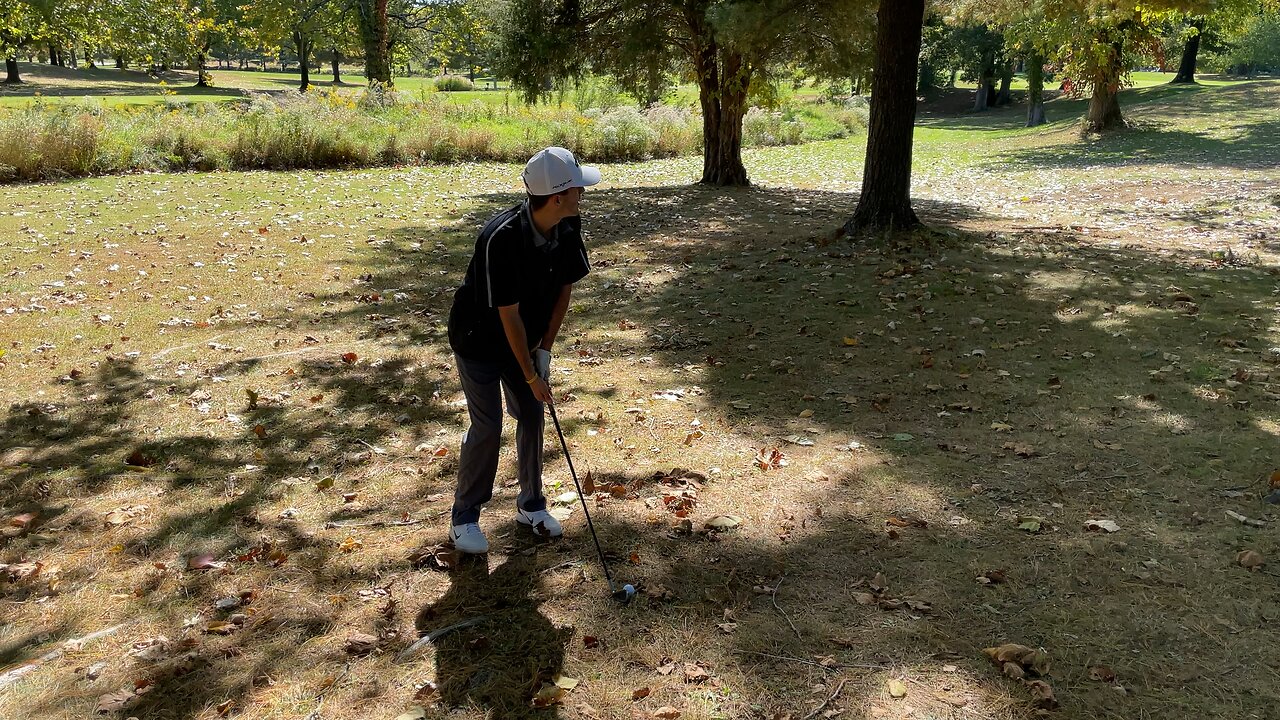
(1028,467)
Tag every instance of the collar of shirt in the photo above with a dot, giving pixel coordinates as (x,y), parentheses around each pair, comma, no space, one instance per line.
(540,242)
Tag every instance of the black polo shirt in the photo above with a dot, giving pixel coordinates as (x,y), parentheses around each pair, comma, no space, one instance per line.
(513,263)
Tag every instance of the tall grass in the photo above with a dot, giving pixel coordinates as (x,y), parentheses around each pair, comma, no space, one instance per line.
(327,130)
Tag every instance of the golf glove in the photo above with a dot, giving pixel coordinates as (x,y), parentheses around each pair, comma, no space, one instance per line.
(542,363)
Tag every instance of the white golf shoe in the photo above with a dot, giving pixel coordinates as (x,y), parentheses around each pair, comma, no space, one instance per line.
(541,522)
(469,538)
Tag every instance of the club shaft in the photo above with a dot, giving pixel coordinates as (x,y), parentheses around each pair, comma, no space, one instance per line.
(565,446)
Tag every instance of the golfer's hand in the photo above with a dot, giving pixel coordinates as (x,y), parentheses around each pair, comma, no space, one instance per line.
(542,363)
(541,390)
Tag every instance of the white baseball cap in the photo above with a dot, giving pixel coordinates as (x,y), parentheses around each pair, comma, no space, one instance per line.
(555,170)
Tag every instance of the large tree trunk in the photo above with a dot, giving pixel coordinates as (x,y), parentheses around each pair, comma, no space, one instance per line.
(1035,91)
(723,77)
(302,45)
(372,17)
(11,76)
(1187,68)
(1104,106)
(885,201)
(337,76)
(1006,79)
(203,79)
(984,92)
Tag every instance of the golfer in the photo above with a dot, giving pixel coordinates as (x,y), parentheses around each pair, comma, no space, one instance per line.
(502,326)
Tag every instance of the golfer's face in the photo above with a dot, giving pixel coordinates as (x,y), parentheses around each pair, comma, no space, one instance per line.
(571,201)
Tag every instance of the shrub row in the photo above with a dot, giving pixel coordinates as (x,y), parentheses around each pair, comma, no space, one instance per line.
(327,130)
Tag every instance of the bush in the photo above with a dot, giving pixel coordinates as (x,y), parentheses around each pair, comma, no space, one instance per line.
(42,143)
(324,129)
(454,83)
(763,127)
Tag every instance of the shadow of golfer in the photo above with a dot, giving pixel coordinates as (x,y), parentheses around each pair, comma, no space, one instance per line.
(502,662)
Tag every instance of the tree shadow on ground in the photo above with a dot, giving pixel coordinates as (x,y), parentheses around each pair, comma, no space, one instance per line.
(1097,382)
(1094,384)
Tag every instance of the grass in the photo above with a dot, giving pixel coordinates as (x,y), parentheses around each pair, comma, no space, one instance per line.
(1069,344)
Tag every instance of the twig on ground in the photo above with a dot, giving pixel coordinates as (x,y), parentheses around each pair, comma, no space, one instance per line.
(276,355)
(435,635)
(775,605)
(373,523)
(864,666)
(72,645)
(839,687)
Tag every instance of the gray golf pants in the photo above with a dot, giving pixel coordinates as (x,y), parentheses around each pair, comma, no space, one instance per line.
(478,462)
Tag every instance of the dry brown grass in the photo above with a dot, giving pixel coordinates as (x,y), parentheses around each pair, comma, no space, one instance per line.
(735,301)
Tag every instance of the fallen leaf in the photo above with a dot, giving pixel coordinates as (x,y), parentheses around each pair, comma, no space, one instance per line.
(1250,560)
(723,522)
(666,712)
(1102,673)
(138,458)
(567,683)
(992,577)
(548,695)
(204,562)
(640,693)
(220,627)
(694,673)
(116,701)
(414,713)
(428,692)
(1101,525)
(349,357)
(590,642)
(1042,695)
(897,689)
(360,644)
(1013,670)
(24,520)
(1031,524)
(21,571)
(350,544)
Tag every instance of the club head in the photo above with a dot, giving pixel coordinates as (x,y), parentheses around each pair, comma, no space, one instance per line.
(625,595)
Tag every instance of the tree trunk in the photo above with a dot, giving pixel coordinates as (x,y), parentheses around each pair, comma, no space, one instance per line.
(1006,78)
(722,93)
(372,19)
(337,76)
(202,77)
(121,63)
(11,71)
(986,78)
(1104,106)
(1035,91)
(1187,68)
(885,201)
(302,44)
(951,83)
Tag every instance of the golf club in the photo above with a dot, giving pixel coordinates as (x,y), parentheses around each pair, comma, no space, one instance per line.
(628,591)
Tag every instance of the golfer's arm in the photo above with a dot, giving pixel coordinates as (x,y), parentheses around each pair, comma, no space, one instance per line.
(513,326)
(557,317)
